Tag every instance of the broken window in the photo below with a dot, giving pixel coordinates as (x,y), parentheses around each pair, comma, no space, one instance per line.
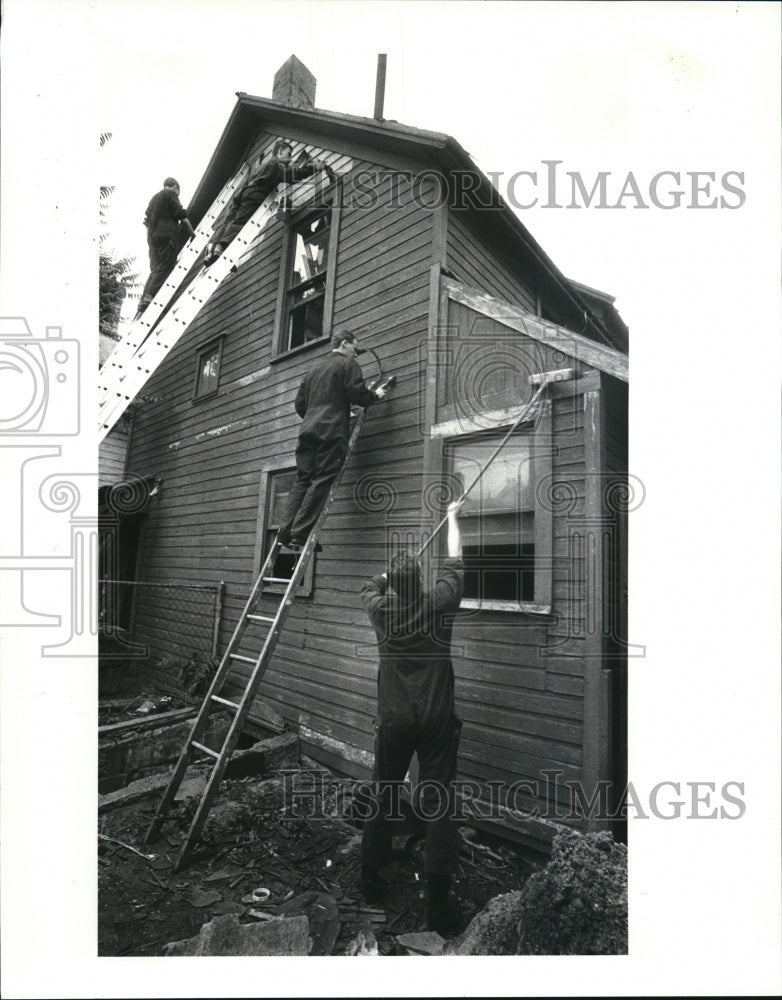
(506,537)
(279,486)
(306,295)
(306,292)
(208,369)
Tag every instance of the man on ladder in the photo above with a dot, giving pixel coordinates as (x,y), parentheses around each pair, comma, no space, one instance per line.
(163,217)
(323,402)
(259,184)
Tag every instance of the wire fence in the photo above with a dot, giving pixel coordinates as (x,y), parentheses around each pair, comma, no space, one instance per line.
(161,621)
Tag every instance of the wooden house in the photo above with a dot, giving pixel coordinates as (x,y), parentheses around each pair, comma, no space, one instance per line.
(412,248)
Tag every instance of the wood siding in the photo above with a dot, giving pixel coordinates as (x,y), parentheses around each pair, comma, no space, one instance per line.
(520,676)
(473,262)
(111,457)
(210,454)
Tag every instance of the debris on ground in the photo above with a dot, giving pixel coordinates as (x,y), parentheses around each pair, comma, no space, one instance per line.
(422,943)
(268,879)
(226,936)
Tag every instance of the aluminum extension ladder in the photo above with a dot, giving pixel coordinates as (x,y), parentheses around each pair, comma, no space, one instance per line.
(249,619)
(148,341)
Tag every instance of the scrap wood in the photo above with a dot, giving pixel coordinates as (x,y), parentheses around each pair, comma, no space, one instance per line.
(113,840)
(398,917)
(478,868)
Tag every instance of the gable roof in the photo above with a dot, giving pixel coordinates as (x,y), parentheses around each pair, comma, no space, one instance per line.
(434,150)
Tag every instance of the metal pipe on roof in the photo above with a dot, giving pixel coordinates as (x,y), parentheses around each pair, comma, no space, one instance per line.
(380,86)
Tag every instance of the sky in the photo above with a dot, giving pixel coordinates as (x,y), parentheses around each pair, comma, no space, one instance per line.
(627,89)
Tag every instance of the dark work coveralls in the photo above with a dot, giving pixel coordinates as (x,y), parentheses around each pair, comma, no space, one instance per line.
(324,399)
(415,712)
(254,192)
(164,213)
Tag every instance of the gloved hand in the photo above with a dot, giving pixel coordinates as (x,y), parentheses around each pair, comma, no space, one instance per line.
(380,392)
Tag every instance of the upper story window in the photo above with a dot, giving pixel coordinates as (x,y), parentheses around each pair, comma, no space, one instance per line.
(306,292)
(306,297)
(208,369)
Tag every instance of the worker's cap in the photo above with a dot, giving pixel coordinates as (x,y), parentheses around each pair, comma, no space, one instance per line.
(170,182)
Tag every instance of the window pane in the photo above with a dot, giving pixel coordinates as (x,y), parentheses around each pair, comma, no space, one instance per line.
(504,486)
(208,371)
(311,250)
(306,286)
(497,520)
(306,321)
(280,484)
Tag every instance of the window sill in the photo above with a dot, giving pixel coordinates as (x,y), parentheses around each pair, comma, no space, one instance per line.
(204,396)
(514,606)
(299,350)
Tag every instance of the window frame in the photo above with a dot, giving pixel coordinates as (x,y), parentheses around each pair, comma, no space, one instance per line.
(269,473)
(330,199)
(539,432)
(201,352)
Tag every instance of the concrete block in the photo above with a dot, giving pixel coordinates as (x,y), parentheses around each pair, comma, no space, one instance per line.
(226,936)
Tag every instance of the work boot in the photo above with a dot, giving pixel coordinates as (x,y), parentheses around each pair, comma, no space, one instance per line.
(372,888)
(443,915)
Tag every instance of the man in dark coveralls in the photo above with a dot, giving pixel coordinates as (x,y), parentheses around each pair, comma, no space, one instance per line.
(415,714)
(257,186)
(323,402)
(162,219)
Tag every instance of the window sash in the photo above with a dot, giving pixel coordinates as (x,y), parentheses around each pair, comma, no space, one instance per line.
(506,533)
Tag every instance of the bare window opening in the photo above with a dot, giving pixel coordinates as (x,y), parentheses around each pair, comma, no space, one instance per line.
(208,370)
(307,277)
(279,487)
(500,530)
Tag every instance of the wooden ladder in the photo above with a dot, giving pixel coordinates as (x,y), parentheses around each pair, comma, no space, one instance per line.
(249,619)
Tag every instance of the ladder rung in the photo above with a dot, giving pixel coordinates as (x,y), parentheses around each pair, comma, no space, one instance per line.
(275,579)
(262,618)
(209,750)
(225,701)
(244,659)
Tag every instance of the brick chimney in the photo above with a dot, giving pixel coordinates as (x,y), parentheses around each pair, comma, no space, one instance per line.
(294,85)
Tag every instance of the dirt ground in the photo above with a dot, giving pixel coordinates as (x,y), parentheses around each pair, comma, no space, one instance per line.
(254,839)
(252,844)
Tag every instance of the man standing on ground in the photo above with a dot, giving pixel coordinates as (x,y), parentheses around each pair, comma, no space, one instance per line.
(257,186)
(415,714)
(323,402)
(162,219)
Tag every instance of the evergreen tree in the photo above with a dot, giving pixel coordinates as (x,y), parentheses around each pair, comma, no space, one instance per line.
(117,276)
